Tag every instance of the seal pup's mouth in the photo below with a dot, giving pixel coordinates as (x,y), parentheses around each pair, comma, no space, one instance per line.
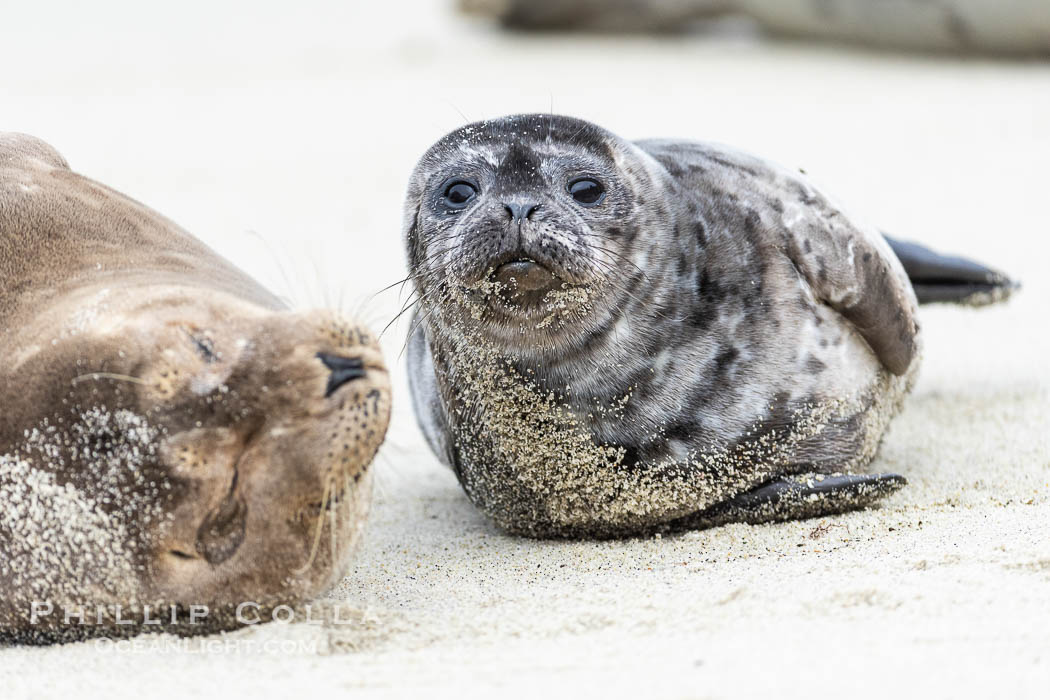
(525,281)
(526,275)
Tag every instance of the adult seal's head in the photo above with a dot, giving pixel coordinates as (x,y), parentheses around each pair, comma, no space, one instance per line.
(173,440)
(613,336)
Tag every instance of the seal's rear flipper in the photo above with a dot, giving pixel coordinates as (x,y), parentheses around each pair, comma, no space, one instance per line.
(796,498)
(945,278)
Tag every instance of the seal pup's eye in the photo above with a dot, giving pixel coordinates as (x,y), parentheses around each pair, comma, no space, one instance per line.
(586,191)
(459,193)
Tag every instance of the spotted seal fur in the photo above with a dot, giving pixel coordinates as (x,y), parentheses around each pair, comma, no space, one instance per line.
(613,337)
(172,438)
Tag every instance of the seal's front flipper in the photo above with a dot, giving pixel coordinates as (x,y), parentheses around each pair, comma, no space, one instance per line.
(796,498)
(945,278)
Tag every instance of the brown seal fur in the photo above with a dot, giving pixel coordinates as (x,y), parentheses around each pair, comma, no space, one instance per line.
(172,436)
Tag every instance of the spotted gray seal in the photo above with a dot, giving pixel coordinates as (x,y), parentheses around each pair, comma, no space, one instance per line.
(174,441)
(614,336)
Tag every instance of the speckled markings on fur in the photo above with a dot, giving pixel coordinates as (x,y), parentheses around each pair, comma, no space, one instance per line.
(720,324)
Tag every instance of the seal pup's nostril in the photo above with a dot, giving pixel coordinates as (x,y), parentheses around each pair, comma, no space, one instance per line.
(344,369)
(520,210)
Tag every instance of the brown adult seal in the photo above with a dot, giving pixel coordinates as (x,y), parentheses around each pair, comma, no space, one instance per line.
(173,440)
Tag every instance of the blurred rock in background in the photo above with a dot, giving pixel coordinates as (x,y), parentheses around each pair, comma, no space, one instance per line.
(981,26)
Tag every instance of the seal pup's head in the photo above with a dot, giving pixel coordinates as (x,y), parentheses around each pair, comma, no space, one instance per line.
(534,225)
(172,435)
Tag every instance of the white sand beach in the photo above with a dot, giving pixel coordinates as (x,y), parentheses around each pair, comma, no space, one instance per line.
(283,135)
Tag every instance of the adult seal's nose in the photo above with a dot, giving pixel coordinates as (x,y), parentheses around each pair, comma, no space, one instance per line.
(519,211)
(344,369)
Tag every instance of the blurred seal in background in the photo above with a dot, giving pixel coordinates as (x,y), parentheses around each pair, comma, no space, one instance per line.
(994,26)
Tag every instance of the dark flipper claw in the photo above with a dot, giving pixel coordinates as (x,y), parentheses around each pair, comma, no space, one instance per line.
(946,278)
(797,498)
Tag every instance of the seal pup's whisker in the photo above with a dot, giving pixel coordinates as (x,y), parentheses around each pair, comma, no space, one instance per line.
(550,120)
(451,104)
(406,306)
(621,257)
(416,324)
(611,268)
(611,281)
(409,304)
(400,282)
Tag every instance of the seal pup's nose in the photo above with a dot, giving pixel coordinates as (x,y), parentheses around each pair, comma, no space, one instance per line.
(520,211)
(344,369)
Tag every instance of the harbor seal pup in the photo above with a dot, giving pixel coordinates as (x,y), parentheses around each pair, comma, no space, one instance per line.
(995,26)
(173,441)
(612,337)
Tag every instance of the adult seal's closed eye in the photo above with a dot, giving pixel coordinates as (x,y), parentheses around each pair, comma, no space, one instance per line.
(174,442)
(712,341)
